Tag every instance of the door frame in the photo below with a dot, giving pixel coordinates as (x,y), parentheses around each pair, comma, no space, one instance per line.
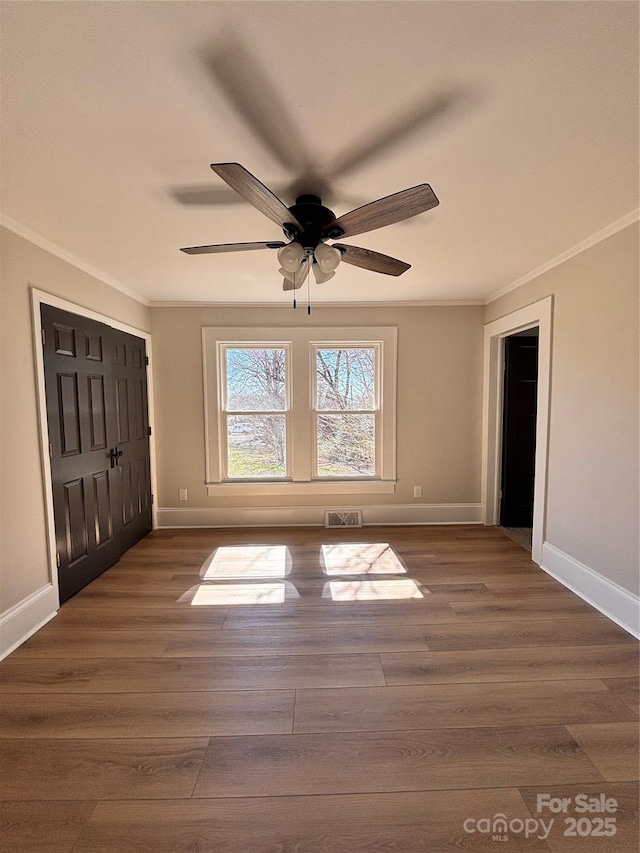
(38,298)
(538,314)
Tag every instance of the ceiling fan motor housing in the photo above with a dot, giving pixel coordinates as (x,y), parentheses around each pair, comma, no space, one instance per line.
(314,217)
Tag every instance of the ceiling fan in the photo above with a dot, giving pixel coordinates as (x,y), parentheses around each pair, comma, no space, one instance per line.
(308,224)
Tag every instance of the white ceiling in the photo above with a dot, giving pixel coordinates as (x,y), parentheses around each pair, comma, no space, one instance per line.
(108,110)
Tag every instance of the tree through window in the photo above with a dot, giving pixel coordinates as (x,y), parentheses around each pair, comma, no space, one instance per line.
(255,409)
(345,411)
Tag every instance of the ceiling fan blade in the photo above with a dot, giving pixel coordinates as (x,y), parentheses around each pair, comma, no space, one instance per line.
(244,82)
(425,111)
(369,260)
(287,284)
(232,247)
(255,192)
(384,211)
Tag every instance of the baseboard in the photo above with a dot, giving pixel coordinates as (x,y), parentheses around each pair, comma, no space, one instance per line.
(620,605)
(296,516)
(25,618)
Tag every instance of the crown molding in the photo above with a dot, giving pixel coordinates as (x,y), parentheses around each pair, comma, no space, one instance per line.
(53,249)
(594,239)
(435,303)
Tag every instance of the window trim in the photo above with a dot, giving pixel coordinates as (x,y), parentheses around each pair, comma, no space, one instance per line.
(301,451)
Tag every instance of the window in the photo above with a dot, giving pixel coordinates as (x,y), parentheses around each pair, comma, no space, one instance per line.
(300,411)
(345,411)
(255,410)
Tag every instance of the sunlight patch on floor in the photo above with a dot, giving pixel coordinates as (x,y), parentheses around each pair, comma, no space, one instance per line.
(247,561)
(238,593)
(361,558)
(374,590)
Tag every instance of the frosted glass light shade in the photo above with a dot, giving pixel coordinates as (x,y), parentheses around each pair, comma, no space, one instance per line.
(320,276)
(327,257)
(291,256)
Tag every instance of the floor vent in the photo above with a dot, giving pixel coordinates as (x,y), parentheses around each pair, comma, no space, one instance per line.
(338,518)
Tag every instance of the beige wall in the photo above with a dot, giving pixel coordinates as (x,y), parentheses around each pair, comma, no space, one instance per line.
(23,544)
(592,506)
(439,398)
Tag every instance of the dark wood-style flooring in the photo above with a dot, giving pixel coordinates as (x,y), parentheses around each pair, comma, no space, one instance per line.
(384,690)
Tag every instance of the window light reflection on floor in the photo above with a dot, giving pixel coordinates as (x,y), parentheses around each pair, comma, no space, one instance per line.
(381,590)
(208,595)
(247,561)
(361,558)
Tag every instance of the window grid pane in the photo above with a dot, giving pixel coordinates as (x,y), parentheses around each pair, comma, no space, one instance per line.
(345,445)
(345,379)
(256,379)
(256,446)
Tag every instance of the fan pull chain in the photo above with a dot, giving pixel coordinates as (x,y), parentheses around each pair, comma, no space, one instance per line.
(309,261)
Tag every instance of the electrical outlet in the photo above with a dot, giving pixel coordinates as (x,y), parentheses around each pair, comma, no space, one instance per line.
(417,491)
(182,495)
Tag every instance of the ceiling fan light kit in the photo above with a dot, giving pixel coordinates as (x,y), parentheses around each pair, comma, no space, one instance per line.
(307,224)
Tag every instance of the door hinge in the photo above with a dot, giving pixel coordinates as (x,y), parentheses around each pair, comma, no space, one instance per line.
(50,451)
(152,500)
(44,336)
(149,428)
(58,560)
(146,359)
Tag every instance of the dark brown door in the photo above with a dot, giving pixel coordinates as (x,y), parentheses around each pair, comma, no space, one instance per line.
(95,380)
(519,430)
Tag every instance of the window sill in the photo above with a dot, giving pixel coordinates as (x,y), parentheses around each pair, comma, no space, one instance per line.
(315,487)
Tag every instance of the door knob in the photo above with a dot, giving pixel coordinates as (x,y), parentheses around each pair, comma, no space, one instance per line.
(115,454)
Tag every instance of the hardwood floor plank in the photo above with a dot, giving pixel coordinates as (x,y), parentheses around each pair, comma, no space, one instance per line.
(20,674)
(55,642)
(374,613)
(590,630)
(613,748)
(160,675)
(436,706)
(141,618)
(372,762)
(627,689)
(298,641)
(42,826)
(426,822)
(99,769)
(527,664)
(625,816)
(137,715)
(536,607)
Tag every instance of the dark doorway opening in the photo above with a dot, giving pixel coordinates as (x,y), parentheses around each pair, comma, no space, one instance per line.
(520,392)
(97,416)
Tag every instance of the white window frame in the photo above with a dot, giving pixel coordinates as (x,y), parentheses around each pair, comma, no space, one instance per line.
(303,342)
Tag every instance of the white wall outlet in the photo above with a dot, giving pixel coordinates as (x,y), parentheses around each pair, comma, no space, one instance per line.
(417,491)
(182,495)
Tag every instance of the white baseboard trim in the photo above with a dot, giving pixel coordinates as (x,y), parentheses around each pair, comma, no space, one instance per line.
(620,605)
(25,618)
(296,516)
